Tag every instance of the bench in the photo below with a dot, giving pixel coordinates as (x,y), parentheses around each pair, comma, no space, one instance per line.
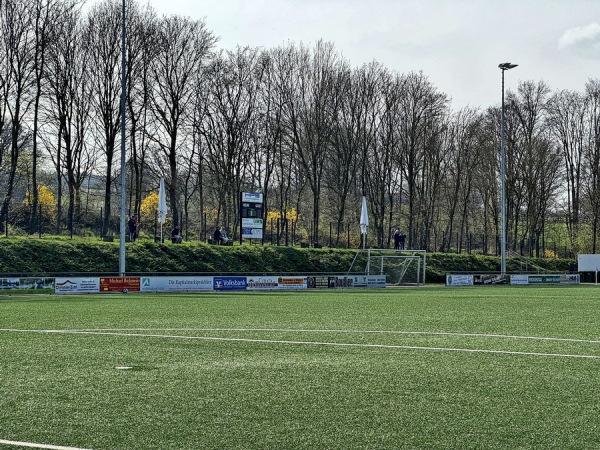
(113,237)
(213,242)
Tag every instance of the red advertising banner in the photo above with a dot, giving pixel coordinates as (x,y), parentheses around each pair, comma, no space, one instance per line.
(119,284)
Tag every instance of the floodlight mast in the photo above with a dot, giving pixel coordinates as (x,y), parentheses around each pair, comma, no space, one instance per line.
(123,180)
(503,67)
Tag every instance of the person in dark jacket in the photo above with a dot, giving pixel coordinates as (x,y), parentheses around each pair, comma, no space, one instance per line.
(217,236)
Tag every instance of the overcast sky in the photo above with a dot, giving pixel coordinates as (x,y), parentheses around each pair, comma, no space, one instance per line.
(458,44)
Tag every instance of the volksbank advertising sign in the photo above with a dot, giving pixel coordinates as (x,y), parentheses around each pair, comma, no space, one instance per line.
(230,283)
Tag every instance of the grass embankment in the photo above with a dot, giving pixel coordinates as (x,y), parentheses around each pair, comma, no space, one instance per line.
(59,256)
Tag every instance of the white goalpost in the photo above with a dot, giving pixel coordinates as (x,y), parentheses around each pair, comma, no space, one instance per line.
(400,267)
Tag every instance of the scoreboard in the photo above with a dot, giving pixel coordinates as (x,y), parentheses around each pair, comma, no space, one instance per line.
(252,215)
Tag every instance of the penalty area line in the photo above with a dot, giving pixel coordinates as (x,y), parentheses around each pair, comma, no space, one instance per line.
(328,344)
(34,445)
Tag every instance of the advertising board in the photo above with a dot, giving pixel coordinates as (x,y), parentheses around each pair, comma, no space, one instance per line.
(519,279)
(292,283)
(230,283)
(257,283)
(40,283)
(318,282)
(76,285)
(459,280)
(252,233)
(119,284)
(252,223)
(174,283)
(376,281)
(545,279)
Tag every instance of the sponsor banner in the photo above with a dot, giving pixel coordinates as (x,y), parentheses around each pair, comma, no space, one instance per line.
(459,280)
(490,279)
(252,223)
(262,283)
(569,278)
(74,285)
(119,284)
(360,281)
(252,233)
(252,197)
(292,283)
(187,283)
(317,282)
(27,283)
(335,282)
(349,281)
(230,283)
(543,279)
(376,281)
(519,279)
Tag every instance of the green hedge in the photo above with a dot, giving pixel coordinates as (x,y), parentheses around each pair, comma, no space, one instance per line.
(54,256)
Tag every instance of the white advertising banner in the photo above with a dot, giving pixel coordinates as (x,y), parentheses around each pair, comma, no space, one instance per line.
(459,280)
(252,233)
(376,281)
(252,223)
(252,197)
(174,283)
(519,279)
(74,285)
(262,283)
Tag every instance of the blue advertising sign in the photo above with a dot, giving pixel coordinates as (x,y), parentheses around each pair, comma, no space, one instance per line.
(229,283)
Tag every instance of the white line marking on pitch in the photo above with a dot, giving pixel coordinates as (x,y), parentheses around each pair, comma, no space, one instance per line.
(34,445)
(330,344)
(291,330)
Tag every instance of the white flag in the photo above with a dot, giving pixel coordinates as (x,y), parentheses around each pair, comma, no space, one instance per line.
(364,216)
(162,202)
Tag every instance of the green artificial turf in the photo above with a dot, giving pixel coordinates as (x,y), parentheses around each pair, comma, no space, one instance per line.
(322,369)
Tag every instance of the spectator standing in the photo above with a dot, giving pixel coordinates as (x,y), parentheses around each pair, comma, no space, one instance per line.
(133,228)
(402,240)
(397,240)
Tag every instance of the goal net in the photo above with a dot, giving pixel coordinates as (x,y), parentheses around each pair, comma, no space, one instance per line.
(400,267)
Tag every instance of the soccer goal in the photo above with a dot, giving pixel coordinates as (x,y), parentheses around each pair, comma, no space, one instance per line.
(400,267)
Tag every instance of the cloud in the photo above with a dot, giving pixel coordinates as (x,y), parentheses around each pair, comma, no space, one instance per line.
(585,39)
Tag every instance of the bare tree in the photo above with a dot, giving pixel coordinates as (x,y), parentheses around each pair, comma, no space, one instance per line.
(355,142)
(463,157)
(422,110)
(183,46)
(592,156)
(566,112)
(68,109)
(229,123)
(311,105)
(141,48)
(102,44)
(18,81)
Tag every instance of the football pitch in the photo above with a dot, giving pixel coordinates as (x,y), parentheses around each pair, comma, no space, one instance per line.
(473,368)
